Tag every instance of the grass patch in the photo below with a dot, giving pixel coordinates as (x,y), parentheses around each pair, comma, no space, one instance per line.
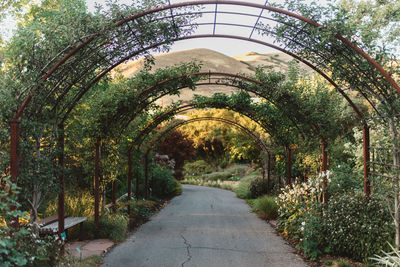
(265,207)
(243,190)
(77,204)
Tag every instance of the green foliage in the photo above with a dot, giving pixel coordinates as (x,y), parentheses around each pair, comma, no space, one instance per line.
(358,227)
(266,207)
(382,24)
(141,210)
(27,248)
(299,215)
(391,258)
(219,143)
(258,187)
(349,225)
(218,183)
(91,261)
(219,175)
(313,231)
(243,190)
(344,179)
(164,185)
(113,226)
(294,202)
(77,204)
(23,246)
(197,167)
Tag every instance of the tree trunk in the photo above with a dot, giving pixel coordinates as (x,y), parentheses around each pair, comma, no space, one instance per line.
(37,188)
(268,173)
(395,181)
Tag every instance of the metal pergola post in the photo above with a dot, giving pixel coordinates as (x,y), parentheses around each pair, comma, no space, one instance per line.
(129,179)
(324,168)
(268,173)
(113,197)
(366,157)
(61,194)
(146,175)
(97,182)
(289,166)
(14,162)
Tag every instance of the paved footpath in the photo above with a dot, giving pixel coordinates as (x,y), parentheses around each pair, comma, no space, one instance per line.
(204,227)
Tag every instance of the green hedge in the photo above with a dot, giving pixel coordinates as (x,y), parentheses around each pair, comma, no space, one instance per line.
(358,227)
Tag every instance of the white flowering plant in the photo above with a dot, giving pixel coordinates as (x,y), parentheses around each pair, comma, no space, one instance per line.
(296,199)
(299,209)
(358,227)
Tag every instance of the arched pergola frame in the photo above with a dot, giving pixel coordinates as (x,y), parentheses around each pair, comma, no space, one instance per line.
(179,123)
(54,82)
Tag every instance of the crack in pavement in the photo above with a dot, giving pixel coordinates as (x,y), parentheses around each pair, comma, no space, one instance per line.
(188,246)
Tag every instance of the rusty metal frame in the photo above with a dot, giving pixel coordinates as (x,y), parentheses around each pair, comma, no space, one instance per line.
(168,114)
(169,128)
(55,67)
(260,143)
(218,81)
(208,2)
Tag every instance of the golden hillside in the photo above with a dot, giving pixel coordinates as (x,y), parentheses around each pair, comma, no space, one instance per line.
(211,61)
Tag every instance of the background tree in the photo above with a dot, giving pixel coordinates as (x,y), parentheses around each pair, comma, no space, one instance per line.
(178,147)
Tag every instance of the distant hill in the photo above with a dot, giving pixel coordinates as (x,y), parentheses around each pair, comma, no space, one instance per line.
(275,61)
(211,61)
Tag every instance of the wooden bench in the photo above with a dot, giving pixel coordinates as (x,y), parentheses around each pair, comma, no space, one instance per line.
(49,225)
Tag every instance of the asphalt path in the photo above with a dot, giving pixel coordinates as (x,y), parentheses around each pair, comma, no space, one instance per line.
(204,227)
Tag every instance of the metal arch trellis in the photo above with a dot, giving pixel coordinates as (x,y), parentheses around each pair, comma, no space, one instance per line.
(159,10)
(68,76)
(225,79)
(176,124)
(172,112)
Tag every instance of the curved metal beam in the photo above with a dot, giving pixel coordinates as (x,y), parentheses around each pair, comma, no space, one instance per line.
(207,2)
(261,144)
(166,115)
(324,75)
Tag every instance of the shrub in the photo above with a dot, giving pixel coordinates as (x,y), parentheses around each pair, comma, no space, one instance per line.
(164,185)
(313,243)
(238,169)
(142,209)
(23,247)
(113,226)
(243,191)
(197,167)
(266,207)
(258,187)
(300,217)
(358,227)
(293,203)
